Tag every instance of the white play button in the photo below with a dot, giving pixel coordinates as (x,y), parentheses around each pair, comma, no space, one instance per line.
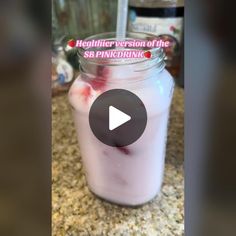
(117,118)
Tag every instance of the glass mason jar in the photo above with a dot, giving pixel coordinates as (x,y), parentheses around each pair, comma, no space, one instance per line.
(130,175)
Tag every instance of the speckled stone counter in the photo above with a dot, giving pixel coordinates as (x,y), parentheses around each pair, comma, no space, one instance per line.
(77,212)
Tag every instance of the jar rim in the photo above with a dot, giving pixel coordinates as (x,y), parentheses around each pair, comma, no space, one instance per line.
(157,53)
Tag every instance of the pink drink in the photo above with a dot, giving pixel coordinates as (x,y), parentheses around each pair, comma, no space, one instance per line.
(130,175)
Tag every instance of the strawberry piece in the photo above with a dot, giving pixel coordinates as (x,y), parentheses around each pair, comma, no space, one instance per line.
(100,70)
(99,83)
(124,150)
(86,92)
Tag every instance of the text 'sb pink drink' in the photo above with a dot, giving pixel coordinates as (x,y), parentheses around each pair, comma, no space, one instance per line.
(131,174)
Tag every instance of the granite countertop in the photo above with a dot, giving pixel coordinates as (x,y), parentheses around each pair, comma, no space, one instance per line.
(77,212)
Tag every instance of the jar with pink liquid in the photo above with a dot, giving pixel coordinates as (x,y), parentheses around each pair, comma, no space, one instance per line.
(129,175)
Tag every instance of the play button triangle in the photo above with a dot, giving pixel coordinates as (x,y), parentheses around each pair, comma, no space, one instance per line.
(117,118)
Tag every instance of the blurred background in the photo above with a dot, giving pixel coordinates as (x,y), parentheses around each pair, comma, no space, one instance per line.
(82,18)
(76,19)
